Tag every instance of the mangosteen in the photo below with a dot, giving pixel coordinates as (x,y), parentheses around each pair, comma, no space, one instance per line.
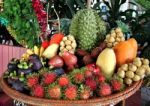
(37,65)
(18,85)
(11,81)
(14,60)
(33,57)
(12,65)
(25,71)
(59,71)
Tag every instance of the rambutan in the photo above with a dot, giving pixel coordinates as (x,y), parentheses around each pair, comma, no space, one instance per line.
(32,80)
(71,92)
(91,83)
(54,91)
(49,78)
(104,89)
(37,91)
(116,85)
(63,81)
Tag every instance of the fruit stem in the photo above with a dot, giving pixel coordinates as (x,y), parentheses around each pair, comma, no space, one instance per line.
(57,19)
(88,4)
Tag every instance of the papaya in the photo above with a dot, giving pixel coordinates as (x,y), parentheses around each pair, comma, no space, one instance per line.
(126,51)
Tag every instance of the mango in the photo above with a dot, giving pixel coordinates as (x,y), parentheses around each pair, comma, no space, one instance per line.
(51,51)
(107,62)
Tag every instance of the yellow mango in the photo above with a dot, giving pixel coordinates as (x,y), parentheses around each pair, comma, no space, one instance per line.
(51,51)
(107,62)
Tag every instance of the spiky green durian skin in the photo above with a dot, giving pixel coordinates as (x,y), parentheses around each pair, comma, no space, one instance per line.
(87,28)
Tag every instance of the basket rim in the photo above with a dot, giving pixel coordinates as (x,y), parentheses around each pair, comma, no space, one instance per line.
(40,101)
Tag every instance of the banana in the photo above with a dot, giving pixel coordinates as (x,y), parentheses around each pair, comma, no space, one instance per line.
(25,56)
(29,51)
(41,51)
(36,50)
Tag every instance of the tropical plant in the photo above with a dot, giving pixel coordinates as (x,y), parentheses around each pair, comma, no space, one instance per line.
(116,14)
(65,8)
(144,3)
(23,24)
(141,30)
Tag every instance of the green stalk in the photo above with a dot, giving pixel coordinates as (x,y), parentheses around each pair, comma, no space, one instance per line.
(57,19)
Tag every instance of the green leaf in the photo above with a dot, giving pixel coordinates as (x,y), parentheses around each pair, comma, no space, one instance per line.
(18,13)
(80,3)
(64,26)
(97,6)
(28,25)
(70,4)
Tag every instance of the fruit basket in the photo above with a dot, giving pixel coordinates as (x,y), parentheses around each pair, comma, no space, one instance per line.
(109,100)
(89,66)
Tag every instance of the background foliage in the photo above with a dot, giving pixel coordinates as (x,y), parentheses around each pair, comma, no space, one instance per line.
(144,3)
(22,21)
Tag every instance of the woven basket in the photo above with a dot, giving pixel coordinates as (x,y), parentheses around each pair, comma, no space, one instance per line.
(112,99)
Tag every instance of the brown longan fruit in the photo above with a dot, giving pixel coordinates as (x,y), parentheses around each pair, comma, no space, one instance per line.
(129,74)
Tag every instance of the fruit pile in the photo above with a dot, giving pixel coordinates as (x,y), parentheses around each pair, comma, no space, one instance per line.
(114,37)
(134,71)
(68,44)
(80,65)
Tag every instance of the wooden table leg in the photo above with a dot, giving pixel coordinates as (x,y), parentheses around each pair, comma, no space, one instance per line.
(123,103)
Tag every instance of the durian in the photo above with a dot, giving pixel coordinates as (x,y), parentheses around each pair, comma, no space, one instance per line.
(87,28)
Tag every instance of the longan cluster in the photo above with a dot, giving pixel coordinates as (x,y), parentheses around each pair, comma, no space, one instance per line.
(115,36)
(134,71)
(68,44)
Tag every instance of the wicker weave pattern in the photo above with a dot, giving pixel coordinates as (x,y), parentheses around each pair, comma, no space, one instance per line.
(112,99)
